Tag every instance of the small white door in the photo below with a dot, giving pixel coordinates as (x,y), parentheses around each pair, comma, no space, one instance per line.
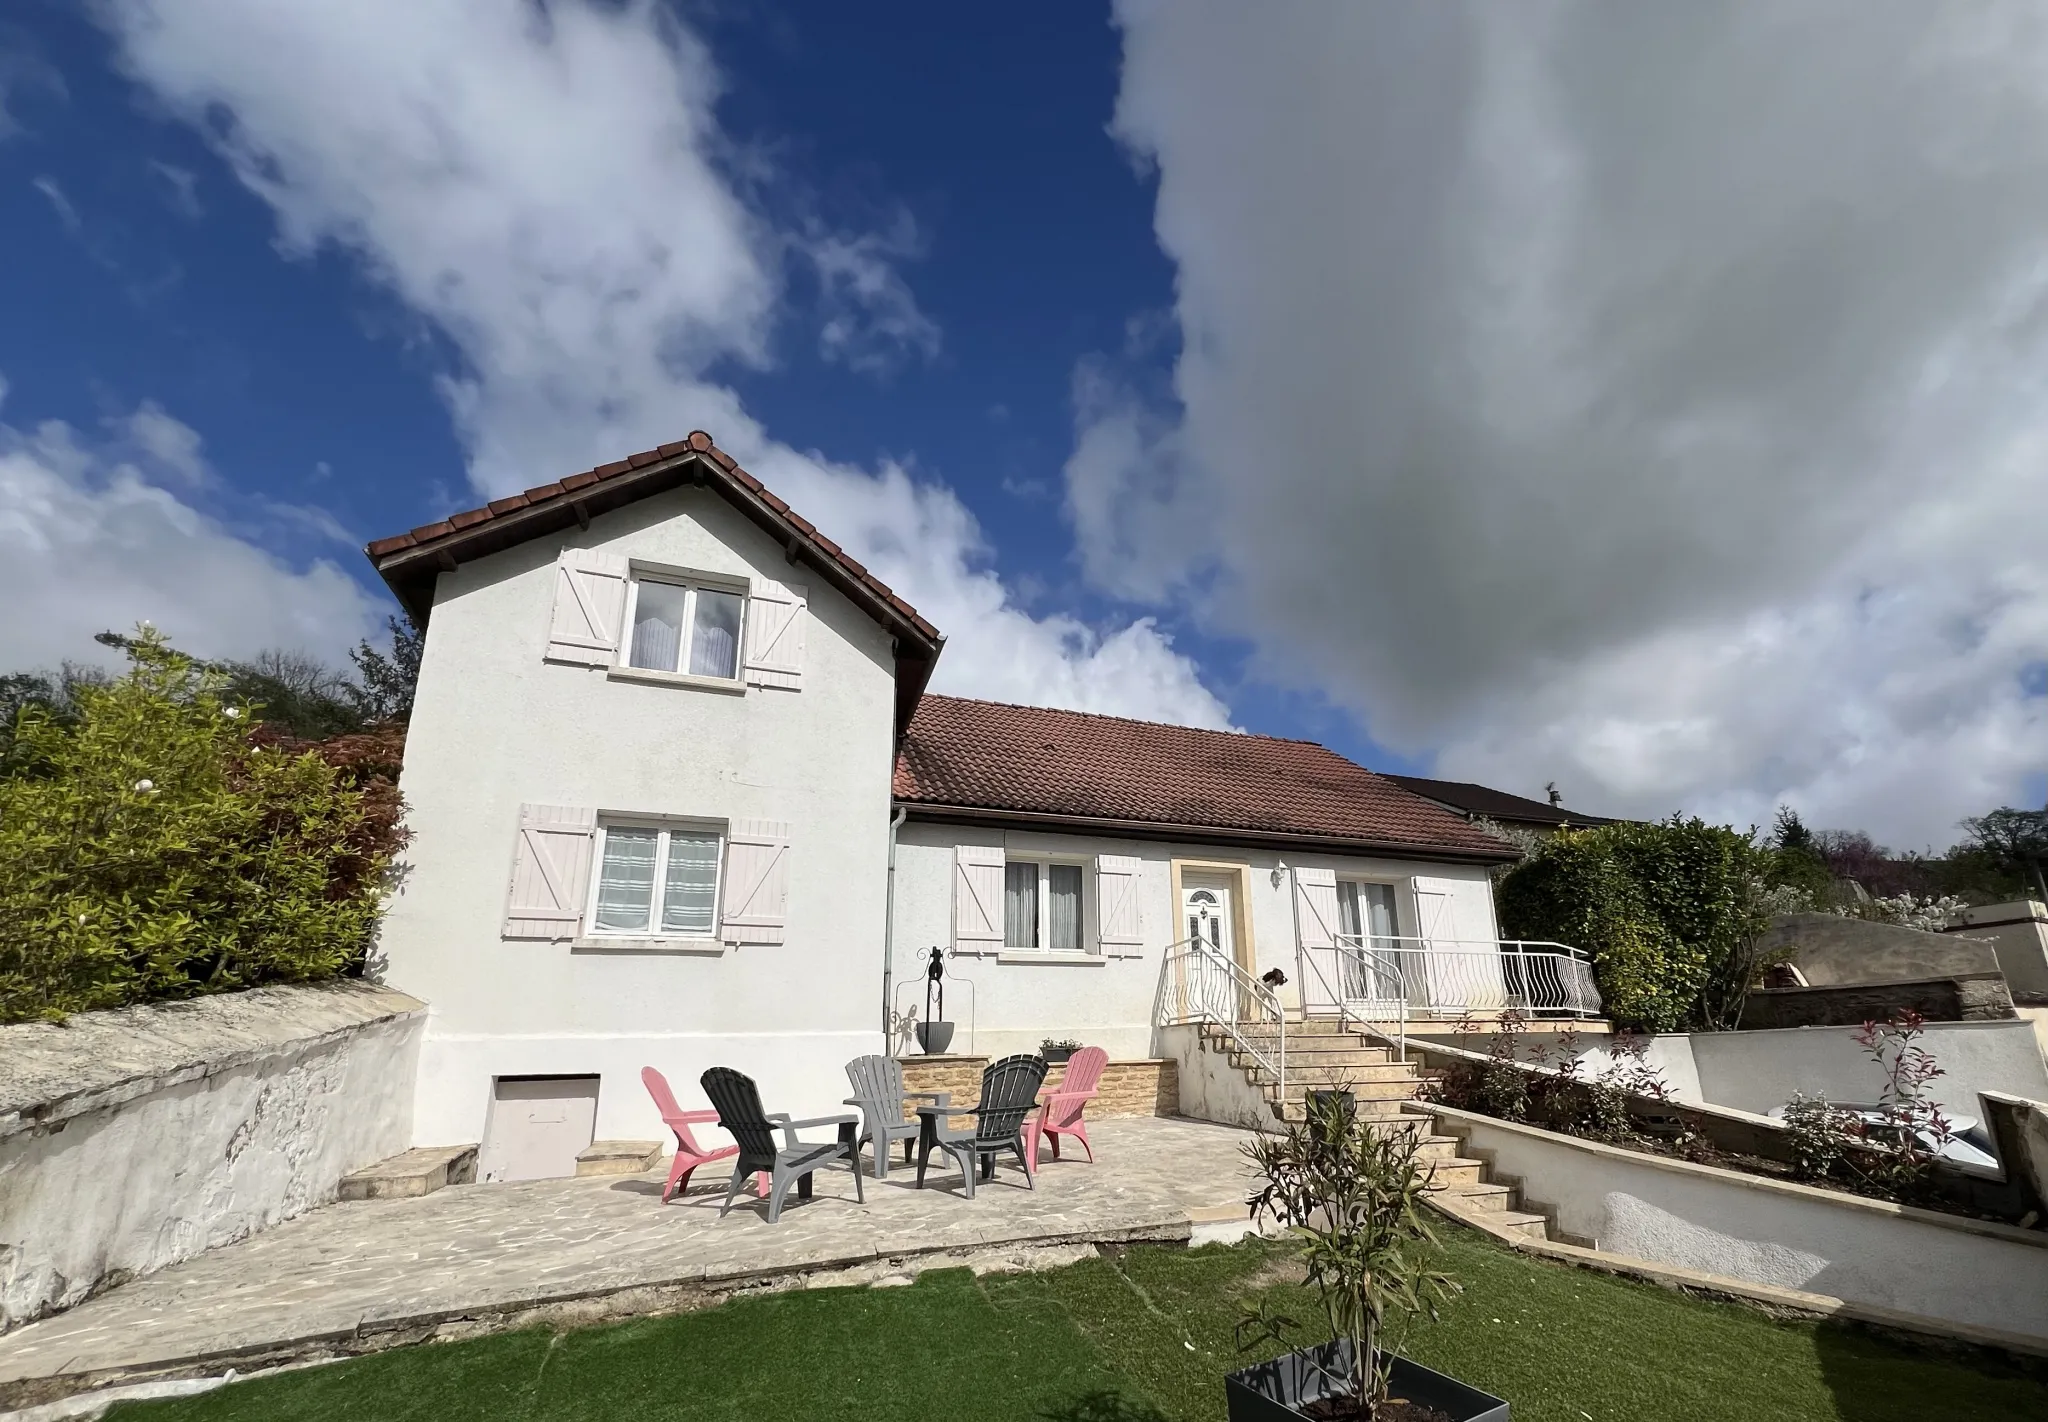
(1206,909)
(538,1126)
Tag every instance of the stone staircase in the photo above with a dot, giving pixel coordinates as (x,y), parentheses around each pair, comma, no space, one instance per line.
(1322,1054)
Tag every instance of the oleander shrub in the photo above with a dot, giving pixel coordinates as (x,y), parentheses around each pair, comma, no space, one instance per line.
(157,843)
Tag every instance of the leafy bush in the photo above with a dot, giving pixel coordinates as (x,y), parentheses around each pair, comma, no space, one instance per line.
(152,847)
(1550,1086)
(1671,913)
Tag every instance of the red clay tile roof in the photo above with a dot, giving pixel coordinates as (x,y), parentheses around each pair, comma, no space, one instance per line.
(563,493)
(1033,762)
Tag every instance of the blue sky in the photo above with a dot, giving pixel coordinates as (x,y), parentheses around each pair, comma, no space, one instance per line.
(1419,381)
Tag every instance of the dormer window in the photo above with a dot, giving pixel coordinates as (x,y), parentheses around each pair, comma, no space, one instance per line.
(685,627)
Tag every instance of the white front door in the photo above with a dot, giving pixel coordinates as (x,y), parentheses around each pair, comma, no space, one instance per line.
(1205,905)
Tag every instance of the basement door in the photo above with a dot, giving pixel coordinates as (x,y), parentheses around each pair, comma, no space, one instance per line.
(538,1126)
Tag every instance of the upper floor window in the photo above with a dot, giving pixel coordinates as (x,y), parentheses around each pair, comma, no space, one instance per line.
(686,627)
(1042,906)
(656,881)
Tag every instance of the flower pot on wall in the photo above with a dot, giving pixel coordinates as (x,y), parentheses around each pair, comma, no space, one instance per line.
(934,1037)
(1284,1389)
(1055,1055)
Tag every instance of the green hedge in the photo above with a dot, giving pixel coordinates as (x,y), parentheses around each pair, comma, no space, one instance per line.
(151,847)
(1670,912)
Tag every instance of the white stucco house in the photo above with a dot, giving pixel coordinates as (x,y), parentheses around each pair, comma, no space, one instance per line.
(678,798)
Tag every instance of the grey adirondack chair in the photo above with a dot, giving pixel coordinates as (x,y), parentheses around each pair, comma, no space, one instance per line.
(1009,1092)
(878,1091)
(738,1103)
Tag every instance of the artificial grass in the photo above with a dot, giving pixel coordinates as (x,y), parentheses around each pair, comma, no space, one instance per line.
(1145,1336)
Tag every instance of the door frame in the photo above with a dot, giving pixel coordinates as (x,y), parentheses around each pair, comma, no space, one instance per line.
(1240,874)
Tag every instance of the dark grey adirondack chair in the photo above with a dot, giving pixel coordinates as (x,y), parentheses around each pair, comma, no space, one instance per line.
(1009,1093)
(738,1103)
(878,1091)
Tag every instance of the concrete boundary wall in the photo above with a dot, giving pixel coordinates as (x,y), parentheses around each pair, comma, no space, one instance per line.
(1771,1232)
(133,1139)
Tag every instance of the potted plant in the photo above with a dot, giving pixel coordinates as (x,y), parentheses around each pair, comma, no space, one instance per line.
(1353,1193)
(1056,1052)
(935,1034)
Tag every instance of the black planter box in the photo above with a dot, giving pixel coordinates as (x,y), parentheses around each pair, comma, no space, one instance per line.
(1276,1391)
(1053,1056)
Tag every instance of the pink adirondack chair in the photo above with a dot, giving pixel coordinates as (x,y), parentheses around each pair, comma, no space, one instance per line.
(1060,1109)
(689,1155)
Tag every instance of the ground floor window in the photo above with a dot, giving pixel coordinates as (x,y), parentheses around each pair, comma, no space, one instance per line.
(1042,905)
(657,881)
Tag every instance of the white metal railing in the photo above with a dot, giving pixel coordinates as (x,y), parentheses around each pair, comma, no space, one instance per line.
(1201,984)
(1380,981)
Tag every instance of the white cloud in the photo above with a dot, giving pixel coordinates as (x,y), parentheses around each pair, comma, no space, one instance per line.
(545,186)
(1645,398)
(92,540)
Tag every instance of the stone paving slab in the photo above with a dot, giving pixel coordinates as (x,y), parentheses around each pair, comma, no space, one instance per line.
(362,1275)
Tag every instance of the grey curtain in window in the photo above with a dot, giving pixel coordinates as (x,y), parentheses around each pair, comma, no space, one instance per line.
(1063,907)
(1020,905)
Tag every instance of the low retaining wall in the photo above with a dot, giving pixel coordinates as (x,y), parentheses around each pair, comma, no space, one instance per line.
(133,1139)
(1134,1088)
(1961,997)
(1771,1232)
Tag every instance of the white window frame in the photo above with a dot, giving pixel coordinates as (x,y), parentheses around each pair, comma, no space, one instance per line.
(653,932)
(1088,926)
(1402,894)
(692,583)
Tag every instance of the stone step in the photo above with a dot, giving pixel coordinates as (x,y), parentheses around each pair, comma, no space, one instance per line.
(1438,1148)
(1330,1058)
(618,1157)
(1397,1089)
(1382,1114)
(412,1173)
(1341,1074)
(1481,1198)
(1454,1172)
(1520,1222)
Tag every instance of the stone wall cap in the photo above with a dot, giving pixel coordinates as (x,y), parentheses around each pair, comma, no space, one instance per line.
(51,1072)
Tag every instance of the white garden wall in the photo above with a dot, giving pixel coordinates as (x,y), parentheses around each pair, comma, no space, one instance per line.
(1018,999)
(1755,1071)
(496,726)
(1771,1232)
(130,1140)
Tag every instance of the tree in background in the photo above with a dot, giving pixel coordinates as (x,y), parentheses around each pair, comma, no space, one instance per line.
(1798,862)
(1672,914)
(2014,842)
(388,678)
(299,693)
(152,847)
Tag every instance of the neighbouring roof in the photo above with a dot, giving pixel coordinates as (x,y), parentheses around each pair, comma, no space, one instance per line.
(1470,799)
(410,562)
(982,760)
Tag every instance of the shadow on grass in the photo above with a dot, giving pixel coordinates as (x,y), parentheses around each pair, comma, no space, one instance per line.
(1895,1377)
(1104,1407)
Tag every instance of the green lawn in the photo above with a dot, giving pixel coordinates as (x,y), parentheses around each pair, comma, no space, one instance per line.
(1140,1338)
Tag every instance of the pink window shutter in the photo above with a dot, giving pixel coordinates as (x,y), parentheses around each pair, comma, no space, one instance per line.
(590,605)
(1116,898)
(756,890)
(1315,907)
(775,635)
(977,898)
(550,872)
